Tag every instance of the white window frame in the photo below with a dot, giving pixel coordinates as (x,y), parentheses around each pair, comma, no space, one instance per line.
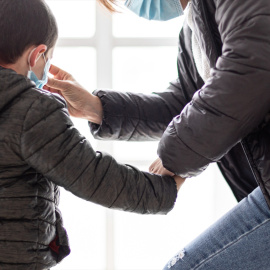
(104,42)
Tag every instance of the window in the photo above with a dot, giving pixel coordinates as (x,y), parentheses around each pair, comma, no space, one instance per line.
(127,53)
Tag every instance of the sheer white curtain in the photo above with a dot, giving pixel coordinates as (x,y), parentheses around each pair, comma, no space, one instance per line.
(127,53)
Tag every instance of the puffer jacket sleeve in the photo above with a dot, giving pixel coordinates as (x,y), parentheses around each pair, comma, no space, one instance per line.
(134,116)
(233,101)
(137,117)
(53,147)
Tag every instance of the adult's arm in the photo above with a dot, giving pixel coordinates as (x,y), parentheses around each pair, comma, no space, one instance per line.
(53,147)
(115,115)
(136,117)
(233,101)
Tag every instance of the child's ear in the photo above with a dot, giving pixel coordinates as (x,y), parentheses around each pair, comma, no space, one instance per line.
(35,54)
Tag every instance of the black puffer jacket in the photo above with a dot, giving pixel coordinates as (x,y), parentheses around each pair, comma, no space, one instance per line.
(40,150)
(223,120)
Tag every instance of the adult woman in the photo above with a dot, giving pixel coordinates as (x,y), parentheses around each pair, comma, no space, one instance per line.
(217,116)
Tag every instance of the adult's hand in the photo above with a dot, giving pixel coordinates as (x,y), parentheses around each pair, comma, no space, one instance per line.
(157,168)
(179,181)
(80,102)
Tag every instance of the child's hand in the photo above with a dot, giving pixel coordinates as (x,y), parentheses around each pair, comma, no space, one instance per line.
(80,102)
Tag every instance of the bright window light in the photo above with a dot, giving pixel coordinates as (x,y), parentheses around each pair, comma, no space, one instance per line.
(76,18)
(127,53)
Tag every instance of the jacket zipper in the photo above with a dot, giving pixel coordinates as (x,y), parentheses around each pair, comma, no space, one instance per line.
(255,172)
(250,162)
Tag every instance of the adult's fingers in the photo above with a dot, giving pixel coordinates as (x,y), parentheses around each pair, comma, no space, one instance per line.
(54,70)
(57,84)
(179,181)
(45,87)
(157,168)
(60,73)
(52,90)
(153,166)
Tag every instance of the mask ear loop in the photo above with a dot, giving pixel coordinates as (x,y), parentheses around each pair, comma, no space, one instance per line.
(44,57)
(30,54)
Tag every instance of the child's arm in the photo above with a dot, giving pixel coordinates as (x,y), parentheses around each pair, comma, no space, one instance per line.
(53,147)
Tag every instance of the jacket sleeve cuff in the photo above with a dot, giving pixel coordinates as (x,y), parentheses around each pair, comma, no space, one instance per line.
(177,157)
(116,114)
(169,194)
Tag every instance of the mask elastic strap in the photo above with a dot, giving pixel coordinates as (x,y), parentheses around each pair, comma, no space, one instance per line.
(44,57)
(30,54)
(29,58)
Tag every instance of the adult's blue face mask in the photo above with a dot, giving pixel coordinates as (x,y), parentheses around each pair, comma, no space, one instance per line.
(159,10)
(40,82)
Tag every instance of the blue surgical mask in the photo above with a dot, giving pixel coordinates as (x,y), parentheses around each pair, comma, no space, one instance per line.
(40,82)
(159,10)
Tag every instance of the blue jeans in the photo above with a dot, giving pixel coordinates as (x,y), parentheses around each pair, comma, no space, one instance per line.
(240,240)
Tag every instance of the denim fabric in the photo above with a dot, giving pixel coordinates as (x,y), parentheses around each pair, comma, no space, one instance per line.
(239,240)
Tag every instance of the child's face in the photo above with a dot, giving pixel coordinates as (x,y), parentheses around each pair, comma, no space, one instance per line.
(38,69)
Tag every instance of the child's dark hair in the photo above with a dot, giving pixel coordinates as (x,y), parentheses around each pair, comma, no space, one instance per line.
(24,23)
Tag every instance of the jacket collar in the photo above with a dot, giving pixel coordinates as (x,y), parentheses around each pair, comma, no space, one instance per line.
(206,30)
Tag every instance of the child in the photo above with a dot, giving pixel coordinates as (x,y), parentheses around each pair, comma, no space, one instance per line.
(40,150)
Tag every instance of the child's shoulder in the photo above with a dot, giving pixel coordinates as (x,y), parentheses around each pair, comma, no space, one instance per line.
(42,103)
(44,98)
(22,104)
(44,109)
(17,91)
